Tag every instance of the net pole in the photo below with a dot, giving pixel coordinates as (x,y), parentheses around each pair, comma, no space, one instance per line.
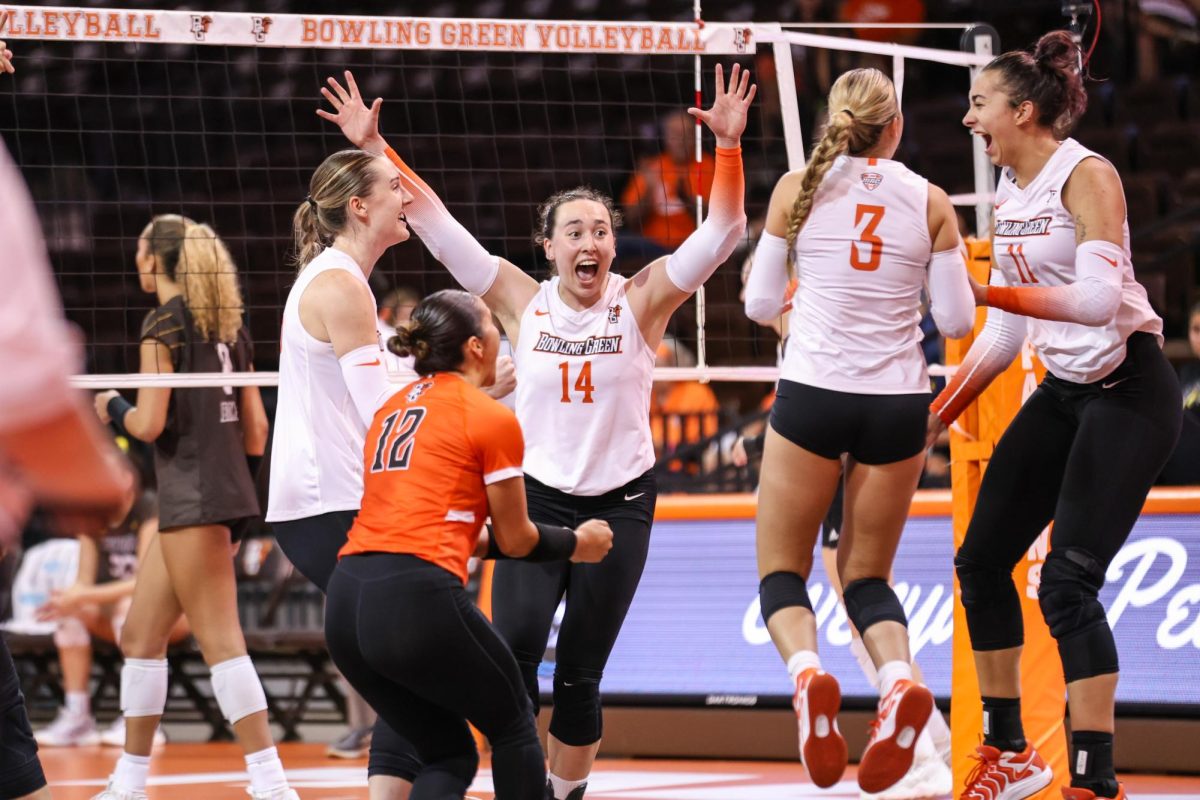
(701,355)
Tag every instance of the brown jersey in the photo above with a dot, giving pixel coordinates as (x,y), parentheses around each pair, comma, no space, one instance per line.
(200,457)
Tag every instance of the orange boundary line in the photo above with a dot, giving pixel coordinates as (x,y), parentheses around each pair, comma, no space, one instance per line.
(926,503)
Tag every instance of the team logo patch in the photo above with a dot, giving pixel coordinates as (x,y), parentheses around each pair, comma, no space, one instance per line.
(614,315)
(200,26)
(260,27)
(417,391)
(871,180)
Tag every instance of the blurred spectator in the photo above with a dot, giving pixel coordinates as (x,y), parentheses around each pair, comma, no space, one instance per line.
(1183,468)
(660,199)
(76,589)
(682,412)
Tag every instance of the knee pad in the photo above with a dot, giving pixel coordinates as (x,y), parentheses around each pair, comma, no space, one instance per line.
(143,687)
(870,601)
(391,754)
(992,605)
(450,776)
(1069,599)
(238,690)
(781,590)
(71,632)
(577,719)
(529,676)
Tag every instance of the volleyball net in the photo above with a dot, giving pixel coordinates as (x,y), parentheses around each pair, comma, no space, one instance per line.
(116,116)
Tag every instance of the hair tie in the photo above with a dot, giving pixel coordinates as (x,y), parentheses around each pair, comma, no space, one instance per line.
(308,199)
(848,113)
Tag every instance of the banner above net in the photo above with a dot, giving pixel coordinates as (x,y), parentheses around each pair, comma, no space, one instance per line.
(375,32)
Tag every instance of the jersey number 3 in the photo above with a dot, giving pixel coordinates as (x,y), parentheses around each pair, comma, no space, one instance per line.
(867,242)
(396,440)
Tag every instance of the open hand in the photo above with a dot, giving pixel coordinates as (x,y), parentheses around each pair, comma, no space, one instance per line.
(727,117)
(359,124)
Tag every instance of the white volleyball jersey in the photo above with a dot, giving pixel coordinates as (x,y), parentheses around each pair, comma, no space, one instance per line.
(317,450)
(583,392)
(862,259)
(1033,244)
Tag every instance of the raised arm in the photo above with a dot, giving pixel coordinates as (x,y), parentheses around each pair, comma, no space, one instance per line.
(505,288)
(1094,197)
(665,283)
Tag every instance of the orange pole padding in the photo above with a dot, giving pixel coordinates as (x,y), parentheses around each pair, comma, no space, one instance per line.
(1043,689)
(485,605)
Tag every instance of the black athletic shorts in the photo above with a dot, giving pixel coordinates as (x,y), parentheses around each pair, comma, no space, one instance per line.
(871,428)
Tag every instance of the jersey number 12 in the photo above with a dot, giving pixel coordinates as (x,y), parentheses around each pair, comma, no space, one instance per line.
(396,440)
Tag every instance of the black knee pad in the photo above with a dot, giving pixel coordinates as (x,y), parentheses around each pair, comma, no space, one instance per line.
(449,777)
(391,754)
(577,718)
(529,676)
(1069,598)
(871,600)
(992,605)
(781,590)
(520,731)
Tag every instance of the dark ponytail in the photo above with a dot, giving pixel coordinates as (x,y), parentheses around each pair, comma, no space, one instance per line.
(1049,78)
(441,324)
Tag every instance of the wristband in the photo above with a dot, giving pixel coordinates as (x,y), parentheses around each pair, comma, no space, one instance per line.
(117,408)
(555,543)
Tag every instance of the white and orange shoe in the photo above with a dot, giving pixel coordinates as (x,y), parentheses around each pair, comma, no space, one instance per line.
(1087,794)
(822,748)
(1005,775)
(894,733)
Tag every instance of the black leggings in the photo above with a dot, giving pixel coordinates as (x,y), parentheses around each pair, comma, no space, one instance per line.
(312,545)
(1084,456)
(20,770)
(525,597)
(406,635)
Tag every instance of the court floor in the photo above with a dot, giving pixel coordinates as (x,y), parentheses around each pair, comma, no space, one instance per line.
(214,771)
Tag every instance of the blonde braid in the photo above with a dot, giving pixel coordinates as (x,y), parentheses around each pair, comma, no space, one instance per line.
(208,277)
(834,143)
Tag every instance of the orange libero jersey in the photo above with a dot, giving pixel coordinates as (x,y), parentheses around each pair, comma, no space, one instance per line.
(431,451)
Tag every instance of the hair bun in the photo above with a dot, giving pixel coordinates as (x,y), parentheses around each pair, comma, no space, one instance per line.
(401,343)
(1058,52)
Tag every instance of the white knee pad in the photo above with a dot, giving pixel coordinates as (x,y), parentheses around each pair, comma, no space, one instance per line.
(237,688)
(71,632)
(143,687)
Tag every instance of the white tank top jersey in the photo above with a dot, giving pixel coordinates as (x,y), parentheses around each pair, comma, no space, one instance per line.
(1034,245)
(317,450)
(861,262)
(583,392)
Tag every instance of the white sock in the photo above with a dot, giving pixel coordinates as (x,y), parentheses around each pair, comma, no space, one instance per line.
(78,704)
(800,661)
(891,672)
(266,771)
(131,773)
(563,787)
(864,661)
